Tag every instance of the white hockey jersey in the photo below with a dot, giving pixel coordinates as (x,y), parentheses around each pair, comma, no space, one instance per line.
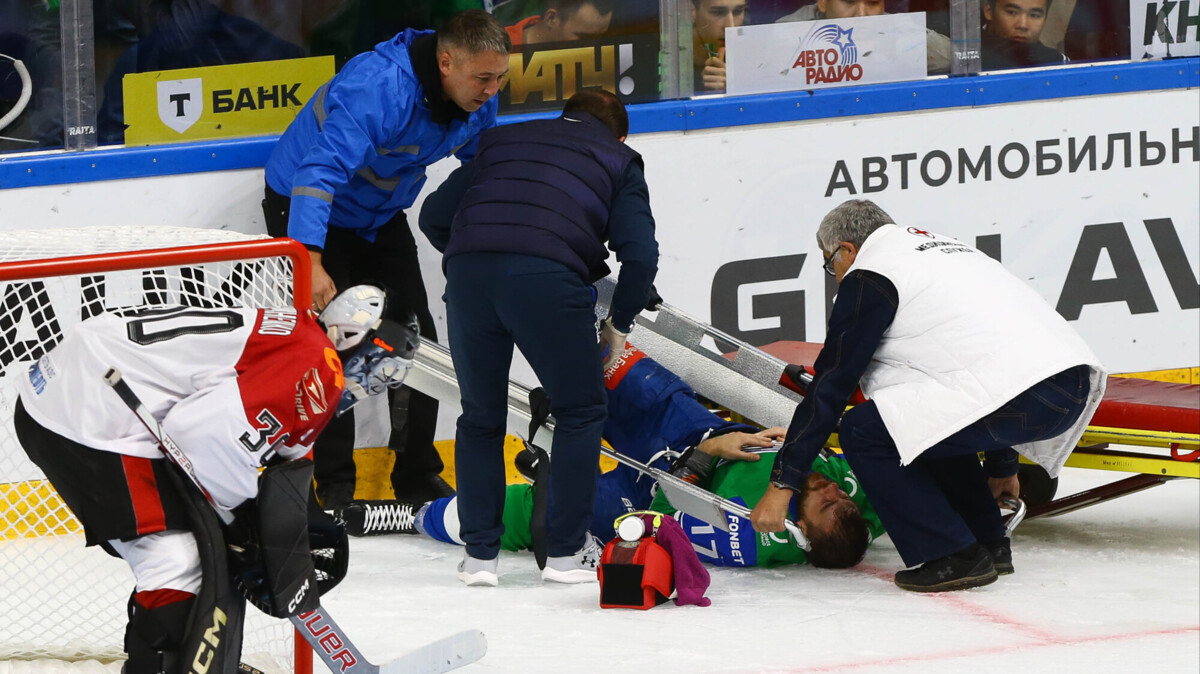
(228,385)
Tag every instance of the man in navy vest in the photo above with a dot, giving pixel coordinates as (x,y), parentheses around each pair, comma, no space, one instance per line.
(338,182)
(523,228)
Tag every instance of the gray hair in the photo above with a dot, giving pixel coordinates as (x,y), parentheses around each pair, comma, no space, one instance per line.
(474,31)
(852,221)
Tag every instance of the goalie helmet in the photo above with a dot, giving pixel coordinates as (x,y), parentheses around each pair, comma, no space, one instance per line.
(376,352)
(351,315)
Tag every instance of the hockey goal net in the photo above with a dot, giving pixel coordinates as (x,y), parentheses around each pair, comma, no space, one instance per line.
(58,600)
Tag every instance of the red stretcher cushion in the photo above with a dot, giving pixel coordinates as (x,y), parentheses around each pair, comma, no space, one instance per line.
(1149,405)
(1128,403)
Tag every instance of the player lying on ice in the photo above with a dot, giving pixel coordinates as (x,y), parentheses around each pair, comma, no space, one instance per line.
(650,409)
(243,392)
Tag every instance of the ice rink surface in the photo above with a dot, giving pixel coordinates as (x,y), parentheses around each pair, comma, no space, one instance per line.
(1111,588)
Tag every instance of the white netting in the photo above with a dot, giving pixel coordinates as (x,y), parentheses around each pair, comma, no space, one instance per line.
(59,600)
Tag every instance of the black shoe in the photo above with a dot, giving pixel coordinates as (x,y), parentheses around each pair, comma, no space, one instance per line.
(526,462)
(421,488)
(1001,552)
(334,495)
(971,567)
(371,518)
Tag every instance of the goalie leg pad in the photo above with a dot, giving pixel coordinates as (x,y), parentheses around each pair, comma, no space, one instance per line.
(158,624)
(212,642)
(283,524)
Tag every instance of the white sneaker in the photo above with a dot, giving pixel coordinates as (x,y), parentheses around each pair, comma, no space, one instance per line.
(478,572)
(578,568)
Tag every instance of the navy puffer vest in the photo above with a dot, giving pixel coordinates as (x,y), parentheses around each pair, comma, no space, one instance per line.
(544,188)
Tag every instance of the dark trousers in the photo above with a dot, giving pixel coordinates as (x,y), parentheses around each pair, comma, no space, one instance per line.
(494,301)
(391,260)
(941,502)
(112,495)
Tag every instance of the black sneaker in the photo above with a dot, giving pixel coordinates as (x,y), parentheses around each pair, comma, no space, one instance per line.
(526,463)
(968,568)
(421,488)
(1001,552)
(371,518)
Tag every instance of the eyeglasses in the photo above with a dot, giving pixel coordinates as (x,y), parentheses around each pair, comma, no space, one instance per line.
(828,266)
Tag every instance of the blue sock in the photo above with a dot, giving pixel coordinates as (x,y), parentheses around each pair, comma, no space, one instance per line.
(439,520)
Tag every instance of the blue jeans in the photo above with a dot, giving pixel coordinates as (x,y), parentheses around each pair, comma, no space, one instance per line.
(493,302)
(941,503)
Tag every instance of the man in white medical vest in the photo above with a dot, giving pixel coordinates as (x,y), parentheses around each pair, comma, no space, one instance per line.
(956,356)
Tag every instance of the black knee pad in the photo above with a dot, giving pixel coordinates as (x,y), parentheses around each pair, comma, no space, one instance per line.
(155,635)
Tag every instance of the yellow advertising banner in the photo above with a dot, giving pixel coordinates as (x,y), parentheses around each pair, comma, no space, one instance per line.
(245,99)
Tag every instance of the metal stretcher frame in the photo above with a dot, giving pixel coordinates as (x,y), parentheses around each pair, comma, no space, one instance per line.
(433,374)
(753,382)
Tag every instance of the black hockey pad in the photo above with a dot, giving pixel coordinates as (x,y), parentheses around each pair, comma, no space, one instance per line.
(289,576)
(213,639)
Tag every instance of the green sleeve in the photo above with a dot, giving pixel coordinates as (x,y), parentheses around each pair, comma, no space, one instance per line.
(518,510)
(745,482)
(660,504)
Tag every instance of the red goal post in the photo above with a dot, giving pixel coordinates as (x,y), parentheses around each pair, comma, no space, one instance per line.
(60,601)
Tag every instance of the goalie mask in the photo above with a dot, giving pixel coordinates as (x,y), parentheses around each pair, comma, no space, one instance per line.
(376,352)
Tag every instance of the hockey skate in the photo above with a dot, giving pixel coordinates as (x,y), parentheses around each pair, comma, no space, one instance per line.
(577,568)
(371,518)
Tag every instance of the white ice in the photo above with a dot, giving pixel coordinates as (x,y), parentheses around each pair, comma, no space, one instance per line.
(1111,588)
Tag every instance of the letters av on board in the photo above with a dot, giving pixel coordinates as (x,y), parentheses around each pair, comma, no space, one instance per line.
(246,99)
(826,53)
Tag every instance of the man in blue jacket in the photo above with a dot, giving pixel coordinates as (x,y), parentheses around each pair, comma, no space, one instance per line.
(340,178)
(523,228)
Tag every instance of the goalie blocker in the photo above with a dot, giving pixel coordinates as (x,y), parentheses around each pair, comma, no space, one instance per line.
(284,566)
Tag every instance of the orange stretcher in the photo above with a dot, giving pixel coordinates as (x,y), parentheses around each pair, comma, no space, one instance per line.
(1134,412)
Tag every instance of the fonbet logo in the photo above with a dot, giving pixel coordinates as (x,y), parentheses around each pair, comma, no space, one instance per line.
(180,103)
(828,54)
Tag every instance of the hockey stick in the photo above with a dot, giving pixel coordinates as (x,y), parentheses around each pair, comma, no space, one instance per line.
(317,626)
(697,501)
(330,642)
(165,443)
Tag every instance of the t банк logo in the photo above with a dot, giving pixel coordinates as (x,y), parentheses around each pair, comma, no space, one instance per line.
(180,102)
(828,54)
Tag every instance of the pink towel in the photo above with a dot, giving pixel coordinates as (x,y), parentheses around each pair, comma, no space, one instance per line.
(691,578)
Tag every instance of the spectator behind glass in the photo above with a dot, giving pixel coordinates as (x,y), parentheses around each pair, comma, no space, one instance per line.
(710,18)
(938,52)
(564,21)
(29,33)
(1098,29)
(1012,32)
(187,34)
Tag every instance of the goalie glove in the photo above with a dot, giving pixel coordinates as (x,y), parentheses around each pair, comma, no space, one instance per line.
(328,545)
(330,548)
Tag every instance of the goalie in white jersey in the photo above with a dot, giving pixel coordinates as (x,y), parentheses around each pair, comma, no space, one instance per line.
(243,393)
